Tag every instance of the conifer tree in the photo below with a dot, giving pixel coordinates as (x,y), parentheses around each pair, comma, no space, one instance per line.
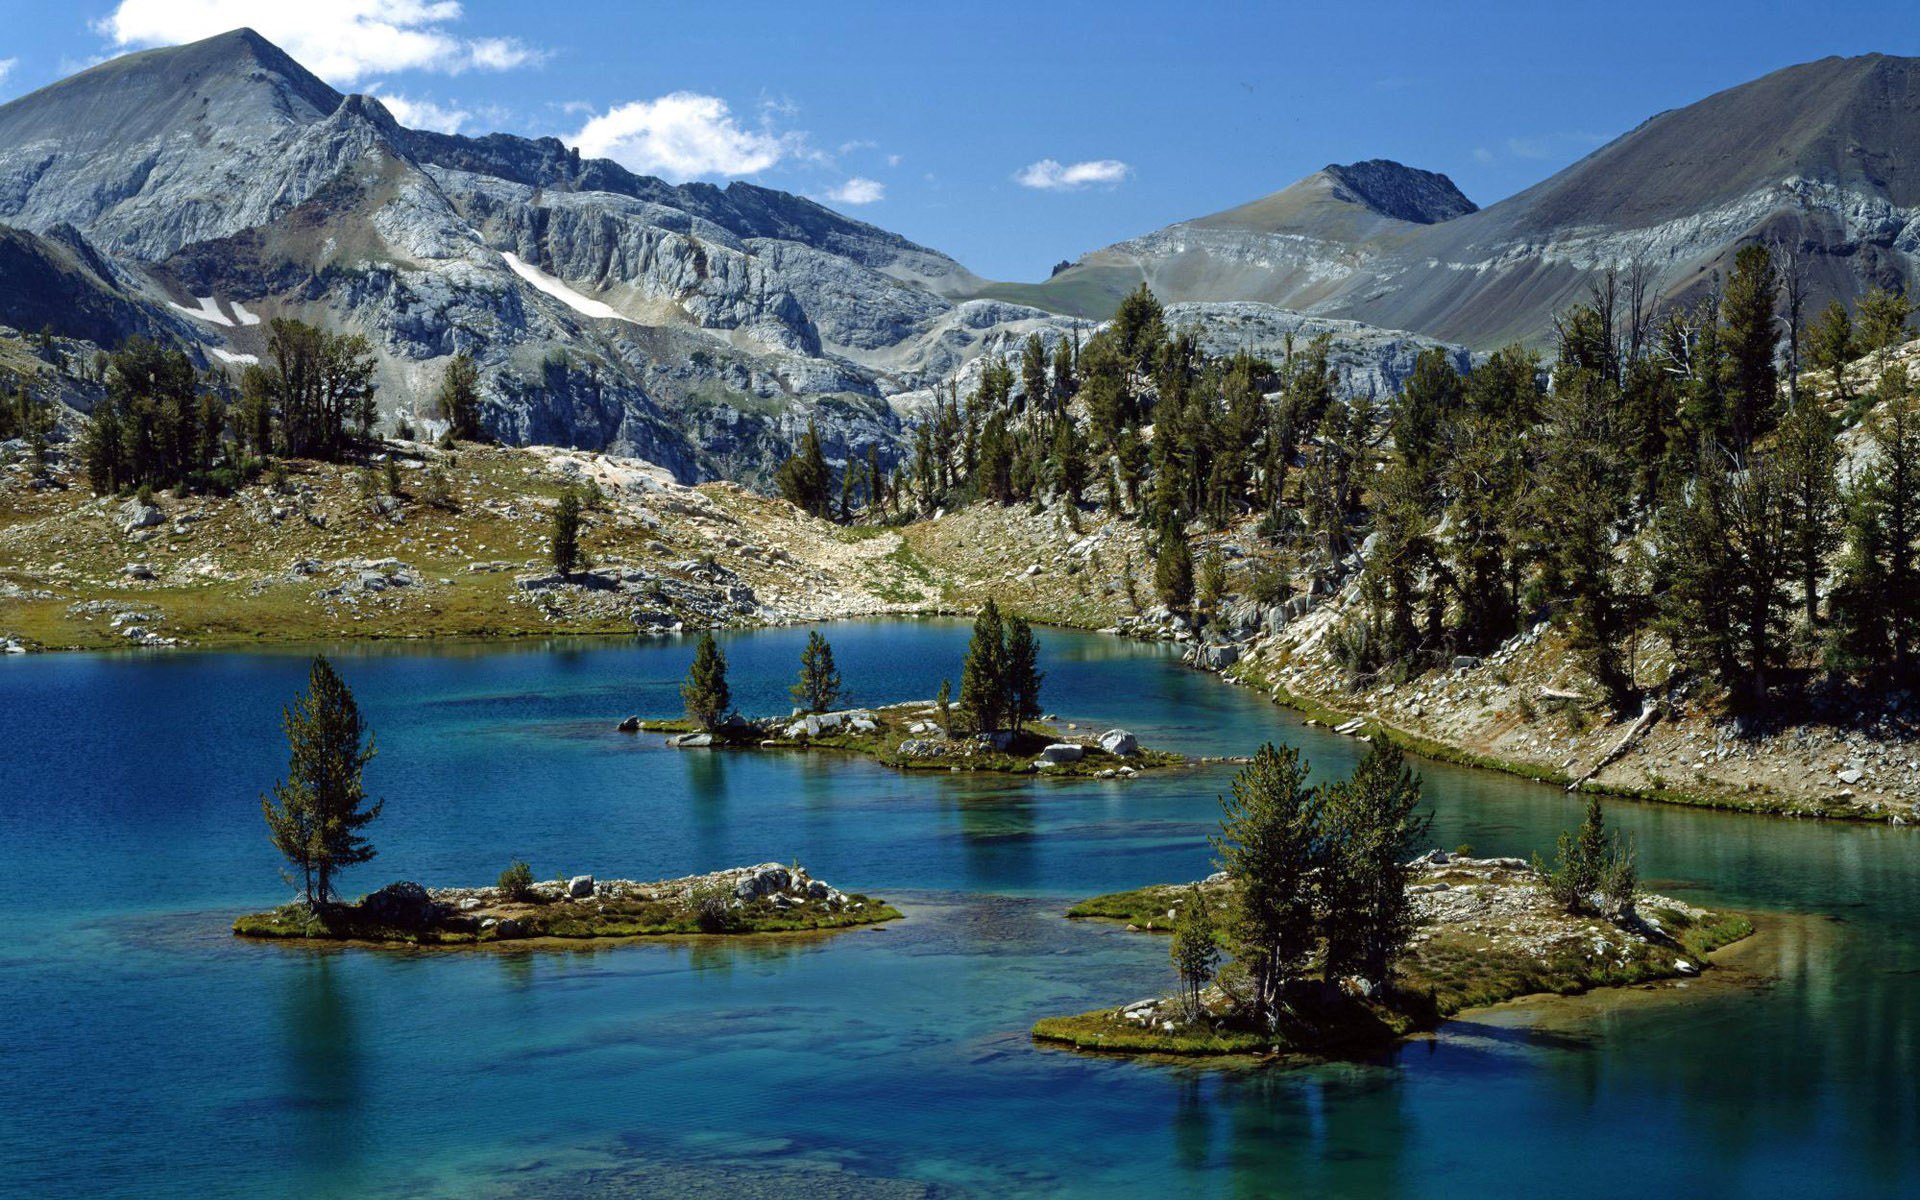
(1024,675)
(1173,572)
(458,400)
(1751,337)
(705,691)
(1880,319)
(316,814)
(1809,461)
(983,676)
(1876,613)
(1831,347)
(804,479)
(819,685)
(1373,822)
(1195,950)
(1270,847)
(564,539)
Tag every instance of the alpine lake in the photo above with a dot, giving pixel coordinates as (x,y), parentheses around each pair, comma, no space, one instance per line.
(149,1052)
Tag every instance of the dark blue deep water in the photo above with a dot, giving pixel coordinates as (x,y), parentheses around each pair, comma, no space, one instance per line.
(146,1052)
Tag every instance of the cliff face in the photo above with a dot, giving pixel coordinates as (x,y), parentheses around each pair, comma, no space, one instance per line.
(203,190)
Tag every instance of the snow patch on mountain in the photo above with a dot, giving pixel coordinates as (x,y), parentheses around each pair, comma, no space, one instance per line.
(561,292)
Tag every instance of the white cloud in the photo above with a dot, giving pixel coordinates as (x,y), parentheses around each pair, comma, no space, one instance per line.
(683,136)
(7,65)
(342,41)
(858,190)
(1050,175)
(421,113)
(893,160)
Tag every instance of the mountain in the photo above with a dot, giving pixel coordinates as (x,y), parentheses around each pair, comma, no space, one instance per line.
(1825,155)
(1285,248)
(200,191)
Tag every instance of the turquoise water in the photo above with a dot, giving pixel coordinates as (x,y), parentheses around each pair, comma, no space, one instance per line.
(147,1053)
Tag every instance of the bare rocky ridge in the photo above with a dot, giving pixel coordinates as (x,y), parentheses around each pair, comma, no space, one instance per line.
(1824,154)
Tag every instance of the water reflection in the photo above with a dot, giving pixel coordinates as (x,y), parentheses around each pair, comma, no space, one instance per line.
(321,1066)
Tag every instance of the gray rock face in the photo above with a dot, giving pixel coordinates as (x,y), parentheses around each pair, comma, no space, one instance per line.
(1062,752)
(1119,742)
(196,192)
(1402,192)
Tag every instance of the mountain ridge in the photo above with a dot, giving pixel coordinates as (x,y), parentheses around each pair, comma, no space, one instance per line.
(1824,154)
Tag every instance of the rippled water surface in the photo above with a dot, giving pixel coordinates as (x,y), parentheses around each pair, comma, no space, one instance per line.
(148,1053)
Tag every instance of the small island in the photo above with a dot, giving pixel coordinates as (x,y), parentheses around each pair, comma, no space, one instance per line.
(994,726)
(1339,946)
(768,898)
(913,737)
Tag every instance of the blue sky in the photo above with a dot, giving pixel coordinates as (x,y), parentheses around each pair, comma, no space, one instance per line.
(1010,135)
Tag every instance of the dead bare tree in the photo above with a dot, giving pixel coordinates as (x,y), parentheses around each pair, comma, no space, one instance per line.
(1790,260)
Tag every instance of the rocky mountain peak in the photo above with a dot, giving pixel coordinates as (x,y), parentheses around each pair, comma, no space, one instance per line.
(1395,190)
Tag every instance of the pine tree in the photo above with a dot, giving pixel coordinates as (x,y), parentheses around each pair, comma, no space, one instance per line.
(1880,319)
(1751,337)
(804,479)
(1024,675)
(1173,573)
(458,400)
(1373,822)
(705,691)
(1432,395)
(1831,347)
(1270,847)
(316,814)
(983,676)
(1067,461)
(1809,461)
(1195,950)
(564,540)
(819,685)
(1033,374)
(1211,586)
(1577,511)
(1593,874)
(1875,611)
